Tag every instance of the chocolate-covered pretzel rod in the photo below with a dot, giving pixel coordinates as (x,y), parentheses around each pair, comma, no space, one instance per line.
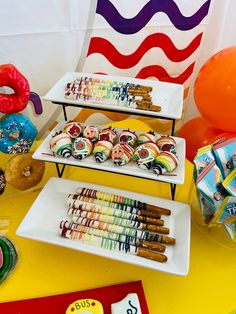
(146,235)
(113,245)
(113,212)
(141,234)
(106,222)
(75,200)
(113,198)
(132,240)
(100,219)
(119,199)
(106,91)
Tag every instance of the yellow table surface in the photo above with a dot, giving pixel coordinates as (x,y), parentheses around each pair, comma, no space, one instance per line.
(45,269)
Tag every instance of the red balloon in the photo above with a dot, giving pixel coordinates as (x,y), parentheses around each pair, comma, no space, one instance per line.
(197,133)
(215,90)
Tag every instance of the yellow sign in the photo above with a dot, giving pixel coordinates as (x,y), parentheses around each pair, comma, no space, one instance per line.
(85,306)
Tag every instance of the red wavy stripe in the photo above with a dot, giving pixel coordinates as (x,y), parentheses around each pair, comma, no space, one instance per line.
(108,50)
(161,74)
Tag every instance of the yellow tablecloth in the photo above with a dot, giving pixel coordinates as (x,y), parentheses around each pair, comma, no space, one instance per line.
(45,269)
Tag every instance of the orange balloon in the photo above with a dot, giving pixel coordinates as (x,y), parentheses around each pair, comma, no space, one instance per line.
(197,133)
(215,90)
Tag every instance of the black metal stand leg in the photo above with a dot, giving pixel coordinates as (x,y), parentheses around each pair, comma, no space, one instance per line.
(173,127)
(173,188)
(64,112)
(60,172)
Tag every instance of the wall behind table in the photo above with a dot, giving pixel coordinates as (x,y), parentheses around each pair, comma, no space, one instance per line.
(219,35)
(44,39)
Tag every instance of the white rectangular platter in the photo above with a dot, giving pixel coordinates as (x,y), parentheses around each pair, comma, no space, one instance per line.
(42,223)
(167,95)
(44,153)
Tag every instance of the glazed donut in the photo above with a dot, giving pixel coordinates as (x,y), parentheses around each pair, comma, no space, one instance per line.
(22,172)
(11,77)
(17,134)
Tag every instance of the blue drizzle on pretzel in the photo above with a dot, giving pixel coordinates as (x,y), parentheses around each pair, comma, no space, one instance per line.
(17,134)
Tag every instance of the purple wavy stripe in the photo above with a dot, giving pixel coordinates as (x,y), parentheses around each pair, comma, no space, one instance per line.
(135,24)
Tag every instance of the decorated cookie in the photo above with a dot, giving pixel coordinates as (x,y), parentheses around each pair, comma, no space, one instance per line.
(61,145)
(128,137)
(91,132)
(73,129)
(22,172)
(102,150)
(166,143)
(165,162)
(145,155)
(122,154)
(146,137)
(18,100)
(108,134)
(2,181)
(17,134)
(82,148)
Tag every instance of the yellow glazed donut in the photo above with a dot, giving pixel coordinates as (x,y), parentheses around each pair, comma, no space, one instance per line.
(22,172)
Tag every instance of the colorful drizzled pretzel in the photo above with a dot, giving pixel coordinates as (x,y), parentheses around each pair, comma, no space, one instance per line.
(95,194)
(110,244)
(11,77)
(75,200)
(96,208)
(104,221)
(116,235)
